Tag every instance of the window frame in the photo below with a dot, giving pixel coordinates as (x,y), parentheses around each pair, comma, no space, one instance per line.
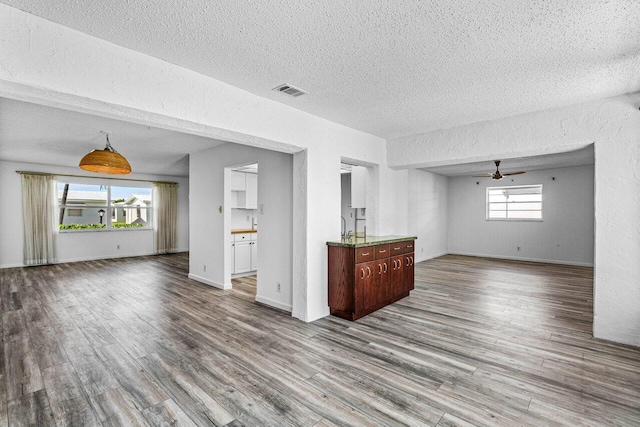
(108,208)
(507,187)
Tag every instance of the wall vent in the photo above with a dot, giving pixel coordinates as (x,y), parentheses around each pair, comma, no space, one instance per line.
(289,90)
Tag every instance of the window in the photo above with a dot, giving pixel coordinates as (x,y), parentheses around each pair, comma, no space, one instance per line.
(515,203)
(74,212)
(91,206)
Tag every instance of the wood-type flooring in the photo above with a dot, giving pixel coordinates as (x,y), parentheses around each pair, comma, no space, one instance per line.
(479,342)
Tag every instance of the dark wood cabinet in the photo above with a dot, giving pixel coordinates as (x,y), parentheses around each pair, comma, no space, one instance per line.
(365,279)
(408,272)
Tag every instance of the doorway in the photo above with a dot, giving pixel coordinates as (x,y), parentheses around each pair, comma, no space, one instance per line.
(243,222)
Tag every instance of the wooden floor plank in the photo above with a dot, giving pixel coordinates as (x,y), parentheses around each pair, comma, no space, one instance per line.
(133,341)
(115,408)
(141,387)
(32,409)
(69,402)
(167,413)
(23,375)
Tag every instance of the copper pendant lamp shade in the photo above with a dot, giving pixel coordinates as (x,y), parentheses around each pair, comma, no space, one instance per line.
(105,161)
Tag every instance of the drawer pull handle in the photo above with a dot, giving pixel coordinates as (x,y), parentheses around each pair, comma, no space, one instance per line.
(396,249)
(369,275)
(379,268)
(364,254)
(394,264)
(409,246)
(383,251)
(362,270)
(385,267)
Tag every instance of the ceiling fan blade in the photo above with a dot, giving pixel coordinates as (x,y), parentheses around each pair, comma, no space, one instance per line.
(513,173)
(490,175)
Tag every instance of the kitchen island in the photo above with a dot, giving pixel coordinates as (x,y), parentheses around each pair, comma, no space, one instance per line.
(368,273)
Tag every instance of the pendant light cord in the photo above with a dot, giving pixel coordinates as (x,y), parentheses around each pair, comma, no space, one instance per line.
(108,147)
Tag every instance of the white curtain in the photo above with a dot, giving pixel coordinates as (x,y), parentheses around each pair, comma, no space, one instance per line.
(39,201)
(165,217)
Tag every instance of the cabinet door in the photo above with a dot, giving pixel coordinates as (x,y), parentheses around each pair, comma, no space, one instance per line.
(396,276)
(384,293)
(377,288)
(254,255)
(408,273)
(233,258)
(242,257)
(363,283)
(251,201)
(237,181)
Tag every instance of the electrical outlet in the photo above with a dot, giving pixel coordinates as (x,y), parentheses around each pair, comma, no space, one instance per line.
(278,287)
(422,250)
(118,247)
(205,268)
(518,248)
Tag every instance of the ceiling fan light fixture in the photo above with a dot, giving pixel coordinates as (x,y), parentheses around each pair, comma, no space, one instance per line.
(497,176)
(105,161)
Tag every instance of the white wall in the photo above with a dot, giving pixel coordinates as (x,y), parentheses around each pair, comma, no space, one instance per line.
(82,73)
(211,234)
(242,218)
(86,245)
(564,236)
(613,125)
(428,213)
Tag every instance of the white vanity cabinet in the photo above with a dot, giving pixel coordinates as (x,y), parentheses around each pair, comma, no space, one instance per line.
(245,252)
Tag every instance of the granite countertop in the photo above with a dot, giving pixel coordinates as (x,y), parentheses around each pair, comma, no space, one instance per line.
(244,230)
(360,242)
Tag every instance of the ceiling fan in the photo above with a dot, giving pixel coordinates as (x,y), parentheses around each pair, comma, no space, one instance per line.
(497,176)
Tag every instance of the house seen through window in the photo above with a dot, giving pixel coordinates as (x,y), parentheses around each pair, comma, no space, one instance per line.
(522,202)
(89,206)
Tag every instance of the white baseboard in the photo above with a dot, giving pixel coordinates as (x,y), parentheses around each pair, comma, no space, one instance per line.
(81,259)
(428,257)
(11,266)
(273,303)
(96,258)
(248,273)
(209,282)
(547,261)
(319,314)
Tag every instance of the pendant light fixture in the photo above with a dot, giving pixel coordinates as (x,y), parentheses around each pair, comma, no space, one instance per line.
(105,161)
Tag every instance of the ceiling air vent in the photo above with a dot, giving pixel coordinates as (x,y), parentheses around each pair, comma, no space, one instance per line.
(289,90)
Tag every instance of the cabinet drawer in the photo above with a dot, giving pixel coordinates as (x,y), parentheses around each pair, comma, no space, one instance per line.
(396,248)
(381,251)
(407,247)
(242,237)
(364,254)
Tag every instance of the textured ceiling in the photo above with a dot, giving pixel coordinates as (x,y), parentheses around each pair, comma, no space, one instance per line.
(387,68)
(44,135)
(548,161)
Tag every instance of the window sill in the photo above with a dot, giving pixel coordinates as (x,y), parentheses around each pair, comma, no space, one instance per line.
(104,230)
(514,219)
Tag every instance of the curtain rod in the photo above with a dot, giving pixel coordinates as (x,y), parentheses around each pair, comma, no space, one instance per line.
(95,177)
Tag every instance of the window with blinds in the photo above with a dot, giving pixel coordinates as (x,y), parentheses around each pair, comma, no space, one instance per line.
(522,202)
